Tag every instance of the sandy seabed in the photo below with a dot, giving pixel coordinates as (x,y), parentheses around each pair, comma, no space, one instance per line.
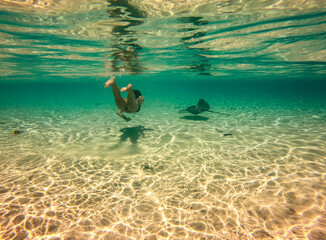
(87,174)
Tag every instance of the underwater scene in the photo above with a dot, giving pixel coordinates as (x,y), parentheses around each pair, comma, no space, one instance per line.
(229,143)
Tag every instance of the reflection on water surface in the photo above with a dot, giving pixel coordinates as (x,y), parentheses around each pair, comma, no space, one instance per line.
(214,38)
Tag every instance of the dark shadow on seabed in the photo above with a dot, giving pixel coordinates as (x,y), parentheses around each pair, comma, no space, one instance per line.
(133,133)
(195,118)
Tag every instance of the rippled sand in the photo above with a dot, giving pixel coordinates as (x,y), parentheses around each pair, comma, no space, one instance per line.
(86,174)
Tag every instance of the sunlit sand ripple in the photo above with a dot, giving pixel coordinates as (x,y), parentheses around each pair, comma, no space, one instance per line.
(253,176)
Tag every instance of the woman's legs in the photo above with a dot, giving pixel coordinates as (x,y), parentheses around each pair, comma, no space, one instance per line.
(119,100)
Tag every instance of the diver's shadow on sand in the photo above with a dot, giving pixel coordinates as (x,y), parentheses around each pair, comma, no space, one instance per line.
(133,133)
(195,118)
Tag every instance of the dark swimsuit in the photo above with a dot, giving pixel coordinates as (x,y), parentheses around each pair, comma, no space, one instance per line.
(137,109)
(137,94)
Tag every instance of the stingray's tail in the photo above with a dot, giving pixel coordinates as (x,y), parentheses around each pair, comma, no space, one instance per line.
(219,113)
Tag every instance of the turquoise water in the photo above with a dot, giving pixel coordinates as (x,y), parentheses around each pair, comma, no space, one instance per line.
(71,168)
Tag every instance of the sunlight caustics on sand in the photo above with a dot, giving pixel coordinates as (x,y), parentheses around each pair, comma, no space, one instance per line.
(252,175)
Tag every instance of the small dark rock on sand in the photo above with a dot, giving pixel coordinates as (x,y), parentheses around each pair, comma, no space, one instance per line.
(17,132)
(227,134)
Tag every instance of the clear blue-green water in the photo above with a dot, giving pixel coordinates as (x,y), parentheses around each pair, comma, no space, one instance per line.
(71,168)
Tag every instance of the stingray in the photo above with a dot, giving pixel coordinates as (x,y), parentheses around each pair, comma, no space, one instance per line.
(202,106)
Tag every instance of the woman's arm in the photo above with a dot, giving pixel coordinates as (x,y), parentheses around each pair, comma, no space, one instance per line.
(123,116)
